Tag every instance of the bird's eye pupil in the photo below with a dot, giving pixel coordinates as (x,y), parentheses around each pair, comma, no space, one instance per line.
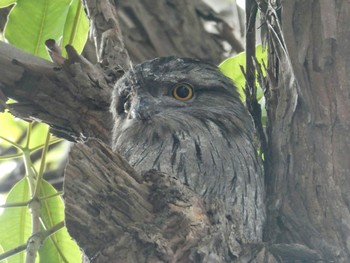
(183,92)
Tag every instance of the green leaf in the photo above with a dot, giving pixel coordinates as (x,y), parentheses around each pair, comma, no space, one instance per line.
(15,226)
(56,153)
(38,135)
(231,68)
(16,222)
(31,23)
(52,209)
(11,128)
(261,57)
(59,247)
(5,3)
(76,28)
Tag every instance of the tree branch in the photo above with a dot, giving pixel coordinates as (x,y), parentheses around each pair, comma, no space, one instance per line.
(73,99)
(104,27)
(148,218)
(153,217)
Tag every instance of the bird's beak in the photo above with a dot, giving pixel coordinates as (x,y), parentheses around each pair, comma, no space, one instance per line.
(142,107)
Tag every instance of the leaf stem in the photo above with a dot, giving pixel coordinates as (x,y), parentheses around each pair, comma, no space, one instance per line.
(19,147)
(42,165)
(77,17)
(53,141)
(35,242)
(20,204)
(13,251)
(16,204)
(13,156)
(50,196)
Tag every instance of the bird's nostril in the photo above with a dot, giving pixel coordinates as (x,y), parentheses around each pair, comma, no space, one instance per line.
(141,108)
(127,106)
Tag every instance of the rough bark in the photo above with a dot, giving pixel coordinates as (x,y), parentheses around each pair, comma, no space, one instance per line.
(133,218)
(309,127)
(162,28)
(73,99)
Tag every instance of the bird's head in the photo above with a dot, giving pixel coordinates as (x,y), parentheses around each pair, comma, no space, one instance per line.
(167,94)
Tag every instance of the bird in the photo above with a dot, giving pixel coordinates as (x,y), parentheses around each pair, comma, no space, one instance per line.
(183,117)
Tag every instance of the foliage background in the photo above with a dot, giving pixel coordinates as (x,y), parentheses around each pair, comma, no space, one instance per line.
(22,145)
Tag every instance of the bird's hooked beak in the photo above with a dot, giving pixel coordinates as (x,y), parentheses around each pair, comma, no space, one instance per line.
(143,107)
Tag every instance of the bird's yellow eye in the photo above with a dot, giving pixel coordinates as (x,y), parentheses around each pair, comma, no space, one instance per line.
(183,91)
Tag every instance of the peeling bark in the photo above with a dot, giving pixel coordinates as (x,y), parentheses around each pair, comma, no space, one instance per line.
(73,99)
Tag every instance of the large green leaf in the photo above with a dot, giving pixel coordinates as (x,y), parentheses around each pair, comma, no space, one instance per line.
(231,67)
(15,226)
(11,128)
(16,222)
(5,3)
(76,27)
(59,247)
(38,135)
(57,153)
(31,23)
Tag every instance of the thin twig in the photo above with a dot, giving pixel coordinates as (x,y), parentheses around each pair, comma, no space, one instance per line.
(13,251)
(17,204)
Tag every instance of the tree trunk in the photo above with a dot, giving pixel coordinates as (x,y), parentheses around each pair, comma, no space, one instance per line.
(309,127)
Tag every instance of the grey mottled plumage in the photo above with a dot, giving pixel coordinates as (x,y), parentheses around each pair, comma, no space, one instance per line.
(207,142)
